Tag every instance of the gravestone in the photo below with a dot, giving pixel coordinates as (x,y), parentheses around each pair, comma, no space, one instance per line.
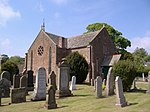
(143,76)
(104,82)
(0,96)
(18,95)
(63,80)
(92,82)
(5,74)
(148,91)
(73,83)
(109,90)
(40,85)
(23,81)
(30,84)
(5,87)
(120,100)
(134,84)
(98,87)
(53,80)
(50,98)
(16,81)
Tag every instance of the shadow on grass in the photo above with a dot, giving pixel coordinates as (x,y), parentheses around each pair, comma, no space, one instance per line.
(61,107)
(82,95)
(138,91)
(130,104)
(2,105)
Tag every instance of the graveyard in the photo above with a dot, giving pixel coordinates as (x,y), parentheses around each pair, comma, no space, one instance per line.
(84,100)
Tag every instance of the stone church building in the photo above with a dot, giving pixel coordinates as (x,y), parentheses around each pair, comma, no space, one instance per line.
(48,49)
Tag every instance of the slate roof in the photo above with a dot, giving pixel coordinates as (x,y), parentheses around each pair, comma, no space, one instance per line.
(81,40)
(111,60)
(54,37)
(76,41)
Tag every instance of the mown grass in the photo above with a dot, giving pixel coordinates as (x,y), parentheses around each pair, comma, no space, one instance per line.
(84,100)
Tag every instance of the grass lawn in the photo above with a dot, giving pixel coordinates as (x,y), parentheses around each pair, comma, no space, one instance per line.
(84,100)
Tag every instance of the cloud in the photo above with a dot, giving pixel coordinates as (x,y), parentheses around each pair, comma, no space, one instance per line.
(59,2)
(140,42)
(7,12)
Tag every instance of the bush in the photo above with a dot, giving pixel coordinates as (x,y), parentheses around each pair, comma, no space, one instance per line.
(11,67)
(126,70)
(78,67)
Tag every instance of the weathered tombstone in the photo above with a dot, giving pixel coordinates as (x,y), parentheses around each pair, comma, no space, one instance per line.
(30,84)
(98,87)
(95,84)
(120,101)
(40,85)
(143,76)
(109,90)
(6,75)
(53,80)
(134,84)
(148,91)
(63,80)
(73,83)
(18,95)
(23,81)
(0,96)
(50,98)
(104,82)
(92,82)
(5,87)
(16,81)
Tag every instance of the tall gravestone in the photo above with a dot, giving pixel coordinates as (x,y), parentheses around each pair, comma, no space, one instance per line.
(50,98)
(148,91)
(143,76)
(98,87)
(53,80)
(30,84)
(5,74)
(109,90)
(92,82)
(16,81)
(0,96)
(40,85)
(23,81)
(5,87)
(120,100)
(73,83)
(63,80)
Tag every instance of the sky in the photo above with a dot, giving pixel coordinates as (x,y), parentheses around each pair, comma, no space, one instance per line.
(20,20)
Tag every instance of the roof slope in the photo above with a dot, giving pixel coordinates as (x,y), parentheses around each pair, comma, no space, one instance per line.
(55,38)
(81,40)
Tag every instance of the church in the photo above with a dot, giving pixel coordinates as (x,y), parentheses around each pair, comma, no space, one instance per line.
(47,50)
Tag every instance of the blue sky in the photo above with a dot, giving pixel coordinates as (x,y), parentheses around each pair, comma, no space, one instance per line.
(20,20)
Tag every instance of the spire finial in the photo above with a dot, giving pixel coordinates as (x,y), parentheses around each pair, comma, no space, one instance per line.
(43,25)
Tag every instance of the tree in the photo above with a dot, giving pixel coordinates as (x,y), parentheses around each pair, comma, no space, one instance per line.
(121,42)
(126,70)
(11,67)
(17,60)
(78,67)
(4,58)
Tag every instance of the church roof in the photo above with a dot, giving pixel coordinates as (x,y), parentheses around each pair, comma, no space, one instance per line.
(81,40)
(76,41)
(55,38)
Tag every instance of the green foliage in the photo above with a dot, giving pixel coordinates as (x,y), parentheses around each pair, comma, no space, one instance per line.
(17,60)
(78,66)
(140,58)
(126,70)
(127,56)
(4,58)
(121,42)
(11,67)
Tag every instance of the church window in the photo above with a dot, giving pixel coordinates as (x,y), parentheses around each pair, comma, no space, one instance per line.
(40,50)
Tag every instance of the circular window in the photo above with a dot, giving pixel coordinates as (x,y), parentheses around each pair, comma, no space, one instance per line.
(40,50)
